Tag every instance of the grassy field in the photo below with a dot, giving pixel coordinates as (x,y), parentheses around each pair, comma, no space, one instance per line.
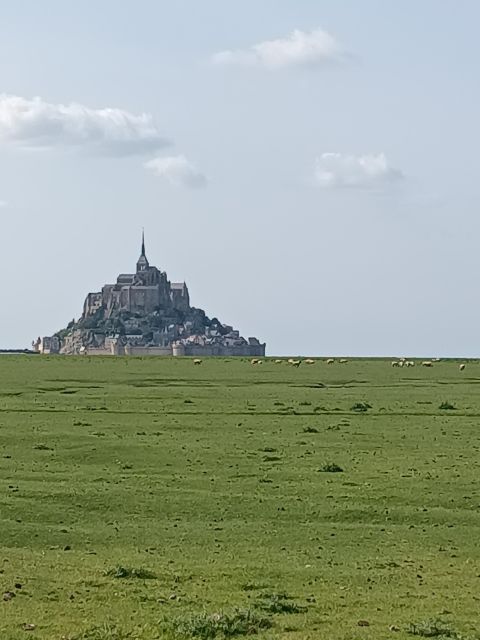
(151,498)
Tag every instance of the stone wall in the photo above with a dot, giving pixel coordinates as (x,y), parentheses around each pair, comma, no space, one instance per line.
(147,351)
(190,350)
(180,297)
(97,351)
(246,350)
(92,303)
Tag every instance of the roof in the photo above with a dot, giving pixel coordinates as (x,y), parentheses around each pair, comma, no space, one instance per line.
(126,277)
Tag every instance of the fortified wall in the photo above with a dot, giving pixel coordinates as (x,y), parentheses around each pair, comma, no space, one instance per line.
(193,350)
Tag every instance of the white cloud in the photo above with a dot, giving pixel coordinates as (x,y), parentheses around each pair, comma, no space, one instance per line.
(299,48)
(337,170)
(3,204)
(38,124)
(178,171)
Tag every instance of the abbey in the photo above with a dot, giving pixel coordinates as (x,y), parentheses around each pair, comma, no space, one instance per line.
(143,313)
(144,291)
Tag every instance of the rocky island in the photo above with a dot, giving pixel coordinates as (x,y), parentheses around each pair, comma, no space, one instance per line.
(144,313)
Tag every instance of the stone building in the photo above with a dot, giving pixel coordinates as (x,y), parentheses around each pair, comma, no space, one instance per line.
(143,292)
(46,345)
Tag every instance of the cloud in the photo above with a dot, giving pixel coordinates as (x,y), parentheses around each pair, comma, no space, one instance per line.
(3,203)
(337,170)
(299,48)
(178,171)
(37,124)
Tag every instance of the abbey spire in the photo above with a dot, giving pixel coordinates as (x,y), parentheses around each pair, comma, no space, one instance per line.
(142,263)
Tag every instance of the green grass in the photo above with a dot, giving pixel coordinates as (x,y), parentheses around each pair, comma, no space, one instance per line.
(150,498)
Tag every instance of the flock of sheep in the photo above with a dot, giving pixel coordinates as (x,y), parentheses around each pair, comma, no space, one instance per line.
(297,363)
(292,361)
(402,362)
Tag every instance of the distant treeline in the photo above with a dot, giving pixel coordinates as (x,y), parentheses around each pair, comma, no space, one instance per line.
(22,351)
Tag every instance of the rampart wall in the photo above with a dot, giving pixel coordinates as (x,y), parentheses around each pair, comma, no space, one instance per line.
(247,350)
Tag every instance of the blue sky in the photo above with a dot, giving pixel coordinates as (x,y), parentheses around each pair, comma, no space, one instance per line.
(319,190)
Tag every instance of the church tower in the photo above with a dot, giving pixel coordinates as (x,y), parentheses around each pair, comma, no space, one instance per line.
(142,263)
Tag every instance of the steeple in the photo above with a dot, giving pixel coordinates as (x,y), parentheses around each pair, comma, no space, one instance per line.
(142,264)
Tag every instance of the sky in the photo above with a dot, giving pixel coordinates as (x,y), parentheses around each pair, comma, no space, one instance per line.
(309,167)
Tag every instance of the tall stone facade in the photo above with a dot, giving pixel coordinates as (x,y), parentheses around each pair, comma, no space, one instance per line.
(144,291)
(143,313)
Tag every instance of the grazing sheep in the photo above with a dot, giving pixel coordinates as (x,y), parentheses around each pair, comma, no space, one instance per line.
(296,363)
(309,361)
(343,361)
(394,363)
(461,367)
(410,363)
(197,361)
(330,360)
(427,363)
(401,363)
(254,361)
(278,361)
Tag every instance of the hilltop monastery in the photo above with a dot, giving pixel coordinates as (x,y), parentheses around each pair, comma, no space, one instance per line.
(144,313)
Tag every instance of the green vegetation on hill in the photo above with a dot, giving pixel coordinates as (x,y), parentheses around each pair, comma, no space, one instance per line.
(151,498)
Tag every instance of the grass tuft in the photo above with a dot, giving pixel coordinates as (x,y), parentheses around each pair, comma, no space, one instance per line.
(103,632)
(447,406)
(278,603)
(129,573)
(239,622)
(254,586)
(360,407)
(331,467)
(431,629)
